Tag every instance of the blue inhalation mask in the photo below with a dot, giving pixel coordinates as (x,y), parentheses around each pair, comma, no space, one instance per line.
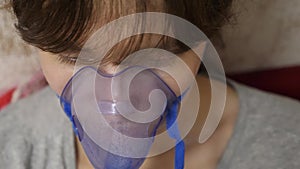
(116,119)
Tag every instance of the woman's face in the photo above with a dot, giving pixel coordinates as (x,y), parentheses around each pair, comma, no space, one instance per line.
(58,73)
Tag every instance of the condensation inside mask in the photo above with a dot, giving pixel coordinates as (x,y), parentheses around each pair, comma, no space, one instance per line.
(116,116)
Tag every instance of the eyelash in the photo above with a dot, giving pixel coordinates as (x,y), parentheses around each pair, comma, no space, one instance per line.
(67,59)
(71,60)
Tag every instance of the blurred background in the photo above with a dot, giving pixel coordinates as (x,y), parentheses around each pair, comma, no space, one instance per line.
(20,74)
(265,35)
(260,48)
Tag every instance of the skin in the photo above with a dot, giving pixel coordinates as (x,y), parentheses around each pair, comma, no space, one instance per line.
(205,155)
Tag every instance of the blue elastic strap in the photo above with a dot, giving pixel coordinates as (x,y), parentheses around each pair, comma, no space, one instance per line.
(175,133)
(68,110)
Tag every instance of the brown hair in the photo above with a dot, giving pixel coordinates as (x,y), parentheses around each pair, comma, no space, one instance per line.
(63,26)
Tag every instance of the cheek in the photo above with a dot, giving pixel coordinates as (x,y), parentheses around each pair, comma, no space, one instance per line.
(57,74)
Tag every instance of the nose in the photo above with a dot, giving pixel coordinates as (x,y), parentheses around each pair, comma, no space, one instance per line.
(109,68)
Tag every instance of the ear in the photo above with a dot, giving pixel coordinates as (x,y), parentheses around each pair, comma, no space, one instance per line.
(191,59)
(184,75)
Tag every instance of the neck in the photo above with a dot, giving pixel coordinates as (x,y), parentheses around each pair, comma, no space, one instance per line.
(82,162)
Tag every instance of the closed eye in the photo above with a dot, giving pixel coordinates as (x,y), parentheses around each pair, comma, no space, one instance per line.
(67,59)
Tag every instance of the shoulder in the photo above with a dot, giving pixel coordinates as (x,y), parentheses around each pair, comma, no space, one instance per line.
(29,127)
(264,135)
(36,112)
(264,104)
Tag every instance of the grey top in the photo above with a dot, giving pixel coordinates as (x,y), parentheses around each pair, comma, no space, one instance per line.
(35,133)
(266,134)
